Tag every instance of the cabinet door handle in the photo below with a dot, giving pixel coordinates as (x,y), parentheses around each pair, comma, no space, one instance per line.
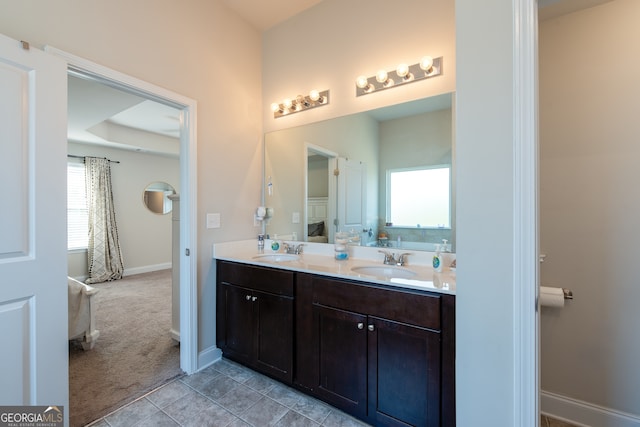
(371,327)
(360,325)
(248,297)
(254,298)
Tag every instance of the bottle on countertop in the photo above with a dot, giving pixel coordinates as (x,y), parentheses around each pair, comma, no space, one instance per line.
(275,245)
(437,260)
(260,242)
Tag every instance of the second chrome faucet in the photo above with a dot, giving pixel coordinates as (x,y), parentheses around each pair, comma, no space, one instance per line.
(390,259)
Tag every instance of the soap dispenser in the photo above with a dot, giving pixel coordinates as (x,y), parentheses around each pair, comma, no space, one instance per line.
(437,260)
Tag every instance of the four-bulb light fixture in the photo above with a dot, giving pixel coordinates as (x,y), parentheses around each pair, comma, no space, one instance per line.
(300,103)
(427,67)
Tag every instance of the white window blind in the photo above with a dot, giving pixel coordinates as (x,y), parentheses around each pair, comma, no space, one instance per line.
(77,212)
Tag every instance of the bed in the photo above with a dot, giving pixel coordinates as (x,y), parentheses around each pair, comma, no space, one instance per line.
(82,307)
(317,230)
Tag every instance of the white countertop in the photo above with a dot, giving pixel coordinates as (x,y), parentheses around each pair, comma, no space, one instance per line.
(319,259)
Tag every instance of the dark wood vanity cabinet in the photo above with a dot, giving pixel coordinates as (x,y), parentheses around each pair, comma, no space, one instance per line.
(385,355)
(254,317)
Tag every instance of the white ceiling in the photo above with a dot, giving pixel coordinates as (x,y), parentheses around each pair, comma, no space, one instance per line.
(264,14)
(548,9)
(100,114)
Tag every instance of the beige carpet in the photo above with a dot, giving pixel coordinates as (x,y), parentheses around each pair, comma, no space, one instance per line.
(134,353)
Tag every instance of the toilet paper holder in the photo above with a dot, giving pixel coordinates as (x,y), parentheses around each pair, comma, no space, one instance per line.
(568,293)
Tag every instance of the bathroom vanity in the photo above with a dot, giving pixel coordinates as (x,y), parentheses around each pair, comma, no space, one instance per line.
(380,348)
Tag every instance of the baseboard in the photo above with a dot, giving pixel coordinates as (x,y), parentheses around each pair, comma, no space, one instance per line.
(208,357)
(584,414)
(135,270)
(146,269)
(175,335)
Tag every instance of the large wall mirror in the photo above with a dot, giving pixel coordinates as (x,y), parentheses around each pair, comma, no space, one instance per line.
(386,175)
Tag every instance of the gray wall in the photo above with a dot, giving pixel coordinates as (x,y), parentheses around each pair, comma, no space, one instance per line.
(317,176)
(589,205)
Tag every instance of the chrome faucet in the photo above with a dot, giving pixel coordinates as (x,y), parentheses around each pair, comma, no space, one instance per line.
(390,259)
(292,248)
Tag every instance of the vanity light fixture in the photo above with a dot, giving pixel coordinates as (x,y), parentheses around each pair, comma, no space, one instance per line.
(427,67)
(300,103)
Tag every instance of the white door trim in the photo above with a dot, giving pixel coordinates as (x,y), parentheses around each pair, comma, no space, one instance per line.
(331,199)
(525,234)
(188,190)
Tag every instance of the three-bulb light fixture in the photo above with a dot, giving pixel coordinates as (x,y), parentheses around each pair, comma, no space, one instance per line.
(300,103)
(426,68)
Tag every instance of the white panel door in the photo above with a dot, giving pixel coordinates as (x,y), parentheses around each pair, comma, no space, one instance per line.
(33,256)
(352,182)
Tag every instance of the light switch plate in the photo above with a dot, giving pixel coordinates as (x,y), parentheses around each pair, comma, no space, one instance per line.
(213,220)
(295,218)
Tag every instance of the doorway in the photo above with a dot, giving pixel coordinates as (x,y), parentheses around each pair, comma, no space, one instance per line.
(187,189)
(320,194)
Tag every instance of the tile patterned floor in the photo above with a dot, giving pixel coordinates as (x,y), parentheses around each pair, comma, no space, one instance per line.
(227,394)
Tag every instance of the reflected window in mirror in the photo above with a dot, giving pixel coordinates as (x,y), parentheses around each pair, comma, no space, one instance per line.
(419,197)
(156,197)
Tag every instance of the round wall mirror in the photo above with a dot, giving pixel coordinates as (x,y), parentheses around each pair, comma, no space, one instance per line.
(155,197)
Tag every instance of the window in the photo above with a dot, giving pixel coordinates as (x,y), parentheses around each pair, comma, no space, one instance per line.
(419,197)
(77,212)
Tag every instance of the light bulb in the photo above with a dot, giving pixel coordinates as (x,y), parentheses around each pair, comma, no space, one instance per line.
(402,70)
(314,95)
(362,82)
(287,103)
(275,107)
(381,76)
(426,63)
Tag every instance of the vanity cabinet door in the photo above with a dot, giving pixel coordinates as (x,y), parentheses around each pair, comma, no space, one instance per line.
(404,374)
(273,343)
(340,345)
(235,322)
(254,317)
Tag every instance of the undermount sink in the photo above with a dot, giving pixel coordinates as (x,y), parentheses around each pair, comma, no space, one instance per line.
(277,257)
(387,271)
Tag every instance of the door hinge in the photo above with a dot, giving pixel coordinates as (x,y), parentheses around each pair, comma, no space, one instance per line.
(187,252)
(336,172)
(25,45)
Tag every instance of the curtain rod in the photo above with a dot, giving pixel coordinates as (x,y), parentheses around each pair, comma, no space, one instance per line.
(82,157)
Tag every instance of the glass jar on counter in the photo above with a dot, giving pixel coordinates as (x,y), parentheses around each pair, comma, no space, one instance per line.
(341,246)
